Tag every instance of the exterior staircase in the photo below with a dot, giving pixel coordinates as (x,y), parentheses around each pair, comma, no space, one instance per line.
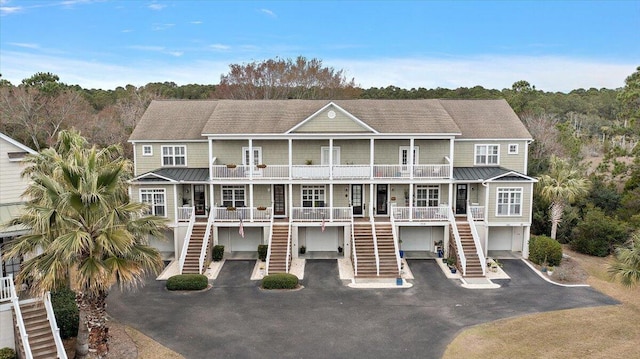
(474,268)
(386,251)
(192,260)
(365,251)
(279,261)
(41,338)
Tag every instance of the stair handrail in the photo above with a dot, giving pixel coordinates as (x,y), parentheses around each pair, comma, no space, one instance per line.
(375,245)
(396,243)
(19,320)
(187,237)
(269,246)
(287,258)
(476,241)
(456,236)
(205,242)
(353,245)
(55,330)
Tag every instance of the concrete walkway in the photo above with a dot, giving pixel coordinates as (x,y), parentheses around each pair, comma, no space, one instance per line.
(237,319)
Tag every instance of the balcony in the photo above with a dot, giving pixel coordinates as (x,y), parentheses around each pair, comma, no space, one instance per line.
(337,172)
(420,214)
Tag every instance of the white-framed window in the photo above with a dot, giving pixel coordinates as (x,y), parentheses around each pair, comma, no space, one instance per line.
(487,154)
(324,155)
(513,148)
(509,201)
(404,155)
(233,196)
(313,196)
(147,150)
(156,199)
(248,159)
(174,155)
(427,196)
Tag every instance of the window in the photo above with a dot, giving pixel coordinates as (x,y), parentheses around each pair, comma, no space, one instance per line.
(404,154)
(9,266)
(324,156)
(147,150)
(255,160)
(513,148)
(509,202)
(233,196)
(487,154)
(427,196)
(156,199)
(174,156)
(313,196)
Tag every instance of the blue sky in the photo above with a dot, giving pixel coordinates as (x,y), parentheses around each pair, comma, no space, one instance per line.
(555,45)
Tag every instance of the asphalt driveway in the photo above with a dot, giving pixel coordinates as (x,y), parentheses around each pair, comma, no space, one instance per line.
(236,319)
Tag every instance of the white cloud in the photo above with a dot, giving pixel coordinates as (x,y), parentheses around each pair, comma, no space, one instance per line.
(219,47)
(492,72)
(197,22)
(25,45)
(156,6)
(162,27)
(7,10)
(268,12)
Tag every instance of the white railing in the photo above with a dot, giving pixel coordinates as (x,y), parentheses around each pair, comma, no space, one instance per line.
(456,236)
(205,242)
(396,244)
(477,212)
(375,245)
(185,243)
(315,214)
(402,214)
(361,171)
(8,291)
(268,259)
(62,354)
(353,247)
(184,213)
(476,241)
(248,214)
(288,261)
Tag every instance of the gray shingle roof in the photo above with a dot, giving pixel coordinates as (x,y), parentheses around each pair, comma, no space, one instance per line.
(191,119)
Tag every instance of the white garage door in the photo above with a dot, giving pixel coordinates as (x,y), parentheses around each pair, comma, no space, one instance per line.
(500,238)
(233,242)
(318,241)
(416,238)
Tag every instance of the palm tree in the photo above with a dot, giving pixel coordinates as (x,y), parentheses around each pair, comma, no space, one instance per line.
(561,186)
(626,266)
(85,231)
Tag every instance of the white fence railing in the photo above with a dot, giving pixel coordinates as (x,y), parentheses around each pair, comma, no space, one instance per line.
(185,243)
(205,243)
(476,241)
(8,292)
(403,214)
(458,242)
(396,243)
(55,330)
(326,172)
(375,244)
(315,214)
(353,248)
(184,214)
(477,212)
(248,214)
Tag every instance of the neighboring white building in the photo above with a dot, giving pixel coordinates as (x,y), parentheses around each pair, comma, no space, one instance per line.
(12,185)
(359,179)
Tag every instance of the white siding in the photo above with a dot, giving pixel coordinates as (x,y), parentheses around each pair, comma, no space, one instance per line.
(12,185)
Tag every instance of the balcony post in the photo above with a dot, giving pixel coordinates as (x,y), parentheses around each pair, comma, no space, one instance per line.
(290,160)
(371,156)
(411,157)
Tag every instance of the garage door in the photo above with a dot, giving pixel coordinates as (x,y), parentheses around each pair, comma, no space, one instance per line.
(318,241)
(500,238)
(416,238)
(233,242)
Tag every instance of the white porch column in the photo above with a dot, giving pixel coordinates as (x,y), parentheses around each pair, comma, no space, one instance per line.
(371,201)
(210,144)
(331,202)
(525,241)
(290,160)
(451,144)
(371,157)
(175,204)
(411,155)
(411,201)
(251,201)
(331,159)
(250,162)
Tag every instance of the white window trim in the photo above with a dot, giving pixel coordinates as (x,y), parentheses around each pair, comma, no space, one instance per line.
(324,150)
(428,188)
(152,205)
(245,151)
(416,157)
(144,148)
(162,156)
(515,146)
(475,154)
(510,190)
(234,188)
(313,202)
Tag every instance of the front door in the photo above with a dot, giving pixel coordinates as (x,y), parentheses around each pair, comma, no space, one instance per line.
(381,199)
(199,200)
(279,203)
(356,199)
(461,199)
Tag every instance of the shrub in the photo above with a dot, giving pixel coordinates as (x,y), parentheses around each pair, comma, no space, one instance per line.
(280,281)
(8,353)
(218,253)
(262,251)
(66,311)
(545,249)
(597,234)
(187,282)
